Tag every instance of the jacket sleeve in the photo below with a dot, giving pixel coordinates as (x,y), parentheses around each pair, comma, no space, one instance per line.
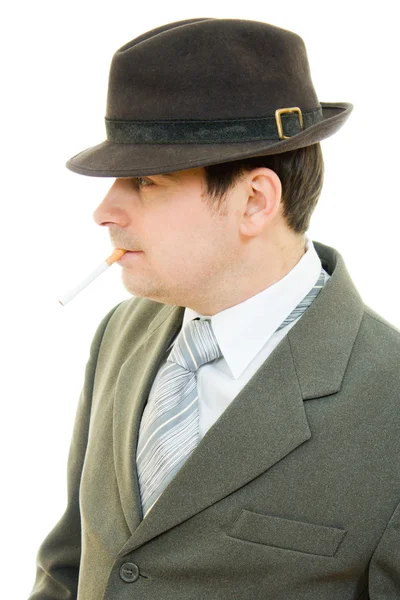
(384,567)
(58,557)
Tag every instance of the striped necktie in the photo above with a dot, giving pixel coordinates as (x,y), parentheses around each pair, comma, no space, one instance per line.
(169,429)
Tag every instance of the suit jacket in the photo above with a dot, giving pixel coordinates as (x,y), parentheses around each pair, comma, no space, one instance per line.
(292,494)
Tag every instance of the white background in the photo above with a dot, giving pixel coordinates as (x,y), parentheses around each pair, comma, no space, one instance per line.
(55,64)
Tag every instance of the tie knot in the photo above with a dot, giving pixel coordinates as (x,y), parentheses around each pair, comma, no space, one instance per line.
(195,345)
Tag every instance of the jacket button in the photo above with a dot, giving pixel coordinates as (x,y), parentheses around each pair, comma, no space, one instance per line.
(129,572)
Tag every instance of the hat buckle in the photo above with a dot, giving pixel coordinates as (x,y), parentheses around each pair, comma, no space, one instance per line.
(278,119)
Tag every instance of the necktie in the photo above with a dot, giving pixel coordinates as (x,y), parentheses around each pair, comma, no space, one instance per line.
(169,429)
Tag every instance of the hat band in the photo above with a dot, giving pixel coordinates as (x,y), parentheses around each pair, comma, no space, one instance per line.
(209,131)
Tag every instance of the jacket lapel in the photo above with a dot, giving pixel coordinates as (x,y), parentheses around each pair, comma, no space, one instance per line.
(264,422)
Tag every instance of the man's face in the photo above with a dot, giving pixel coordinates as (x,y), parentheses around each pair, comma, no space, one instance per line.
(188,252)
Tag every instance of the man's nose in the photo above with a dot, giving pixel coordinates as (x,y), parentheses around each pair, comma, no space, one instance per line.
(111,209)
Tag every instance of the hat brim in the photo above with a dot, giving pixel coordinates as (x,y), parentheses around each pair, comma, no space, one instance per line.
(111,159)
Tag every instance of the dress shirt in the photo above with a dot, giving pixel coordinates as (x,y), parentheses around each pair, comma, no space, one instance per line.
(246,334)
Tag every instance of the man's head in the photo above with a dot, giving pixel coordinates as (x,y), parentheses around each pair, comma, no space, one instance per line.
(212,237)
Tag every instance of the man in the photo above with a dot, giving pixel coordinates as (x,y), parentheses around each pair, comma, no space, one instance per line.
(237,435)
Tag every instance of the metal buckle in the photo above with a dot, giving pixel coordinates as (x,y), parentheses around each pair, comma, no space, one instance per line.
(281,111)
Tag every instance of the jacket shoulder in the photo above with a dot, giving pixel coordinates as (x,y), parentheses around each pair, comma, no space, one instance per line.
(391,330)
(379,342)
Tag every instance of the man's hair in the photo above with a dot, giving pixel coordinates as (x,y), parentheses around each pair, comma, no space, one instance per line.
(301,173)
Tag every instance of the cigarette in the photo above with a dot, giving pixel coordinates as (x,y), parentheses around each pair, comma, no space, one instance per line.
(103,266)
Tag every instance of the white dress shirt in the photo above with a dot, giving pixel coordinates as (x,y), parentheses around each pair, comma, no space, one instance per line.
(246,334)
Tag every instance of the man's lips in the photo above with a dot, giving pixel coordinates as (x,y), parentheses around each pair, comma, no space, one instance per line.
(129,256)
(127,249)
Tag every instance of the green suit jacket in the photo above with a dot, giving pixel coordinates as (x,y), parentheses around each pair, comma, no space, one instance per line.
(292,494)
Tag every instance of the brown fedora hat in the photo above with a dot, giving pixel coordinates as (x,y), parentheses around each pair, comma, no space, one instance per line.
(204,91)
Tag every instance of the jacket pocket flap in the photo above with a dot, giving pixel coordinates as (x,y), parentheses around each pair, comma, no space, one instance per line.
(285,533)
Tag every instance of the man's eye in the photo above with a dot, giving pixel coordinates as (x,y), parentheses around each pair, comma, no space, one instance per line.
(141,181)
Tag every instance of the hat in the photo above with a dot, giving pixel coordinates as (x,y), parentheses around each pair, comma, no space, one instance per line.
(205,91)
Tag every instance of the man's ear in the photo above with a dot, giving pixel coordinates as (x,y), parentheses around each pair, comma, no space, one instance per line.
(264,189)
